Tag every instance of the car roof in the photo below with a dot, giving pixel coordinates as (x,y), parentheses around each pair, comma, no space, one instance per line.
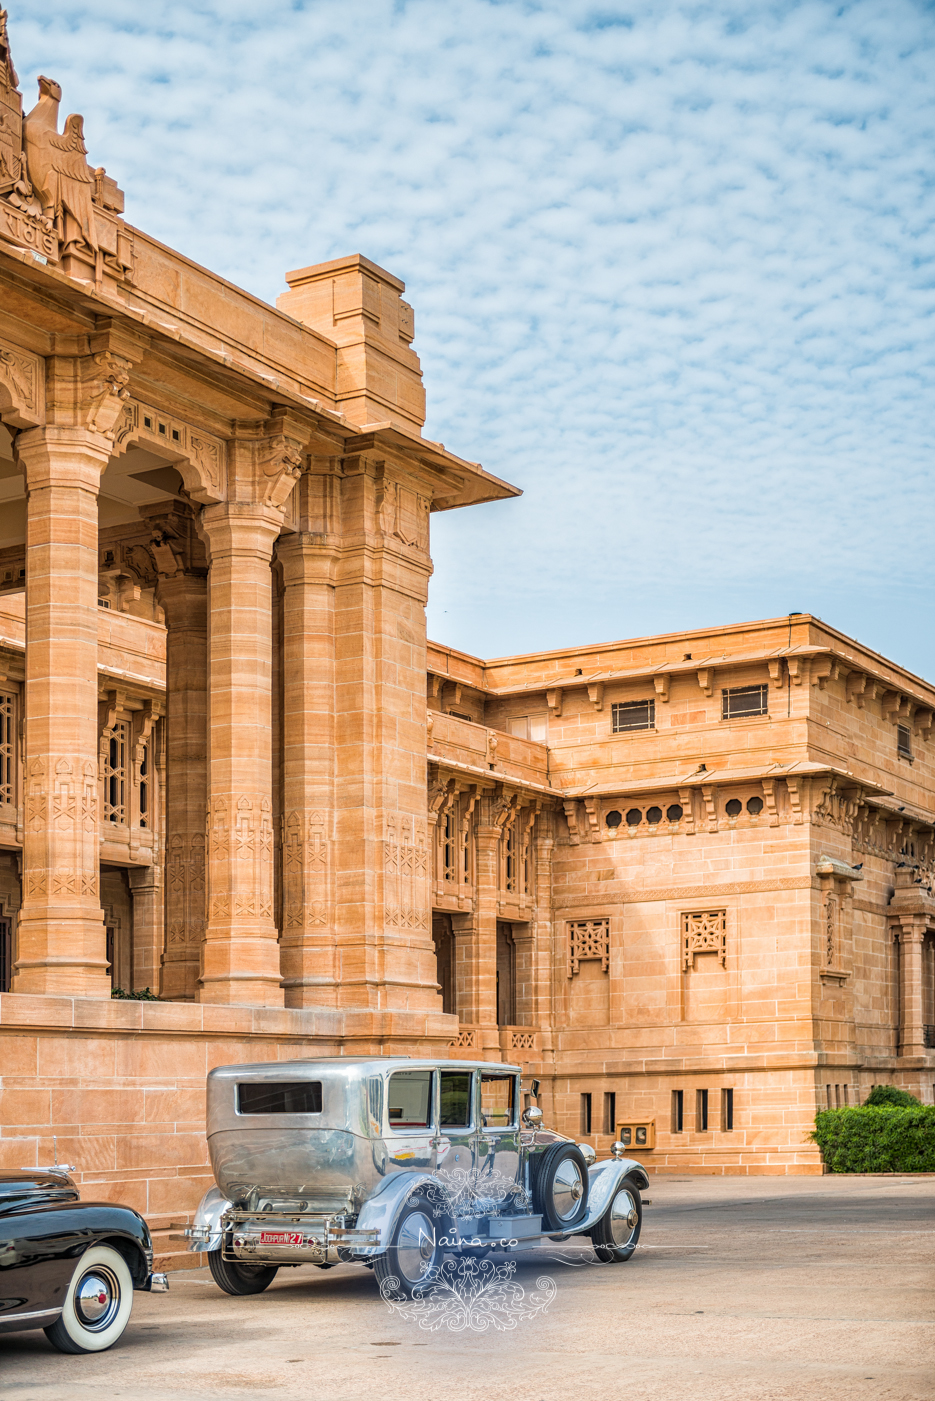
(317,1064)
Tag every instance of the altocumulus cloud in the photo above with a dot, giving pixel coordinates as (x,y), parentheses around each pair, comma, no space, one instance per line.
(672,268)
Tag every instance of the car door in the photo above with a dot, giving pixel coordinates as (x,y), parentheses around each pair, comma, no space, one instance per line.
(498,1148)
(456,1138)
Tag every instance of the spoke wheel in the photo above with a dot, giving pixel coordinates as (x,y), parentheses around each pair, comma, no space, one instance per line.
(616,1235)
(415,1255)
(560,1191)
(98,1303)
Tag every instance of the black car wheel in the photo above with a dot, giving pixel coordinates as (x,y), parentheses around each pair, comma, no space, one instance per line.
(560,1191)
(616,1235)
(98,1303)
(235,1278)
(413,1259)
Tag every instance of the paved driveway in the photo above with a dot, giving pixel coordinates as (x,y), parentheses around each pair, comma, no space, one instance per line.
(772,1288)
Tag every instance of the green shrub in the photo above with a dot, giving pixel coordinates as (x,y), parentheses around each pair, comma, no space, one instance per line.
(877,1139)
(888,1094)
(144,995)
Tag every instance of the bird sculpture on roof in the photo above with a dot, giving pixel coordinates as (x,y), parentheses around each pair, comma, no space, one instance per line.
(58,170)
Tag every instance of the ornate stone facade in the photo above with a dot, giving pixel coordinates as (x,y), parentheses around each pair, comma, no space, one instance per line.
(233,770)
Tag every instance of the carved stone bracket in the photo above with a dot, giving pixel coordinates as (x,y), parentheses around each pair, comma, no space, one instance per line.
(22,385)
(199,456)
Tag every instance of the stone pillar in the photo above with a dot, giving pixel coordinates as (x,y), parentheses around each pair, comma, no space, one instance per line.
(911,939)
(241,951)
(61,938)
(146,892)
(308,955)
(184,598)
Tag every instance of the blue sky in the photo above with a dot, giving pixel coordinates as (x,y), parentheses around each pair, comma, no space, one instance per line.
(673,270)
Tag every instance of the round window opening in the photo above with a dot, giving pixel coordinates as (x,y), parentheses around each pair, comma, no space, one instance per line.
(734,807)
(654,814)
(634,817)
(754,806)
(613,819)
(674,813)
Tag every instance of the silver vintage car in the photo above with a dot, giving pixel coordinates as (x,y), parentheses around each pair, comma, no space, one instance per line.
(394,1162)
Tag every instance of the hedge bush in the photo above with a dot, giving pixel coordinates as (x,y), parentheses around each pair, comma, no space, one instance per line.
(877,1139)
(889,1094)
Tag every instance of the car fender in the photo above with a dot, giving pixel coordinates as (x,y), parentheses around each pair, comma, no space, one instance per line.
(205,1231)
(603,1181)
(382,1211)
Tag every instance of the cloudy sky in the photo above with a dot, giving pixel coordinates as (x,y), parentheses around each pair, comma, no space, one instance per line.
(672,266)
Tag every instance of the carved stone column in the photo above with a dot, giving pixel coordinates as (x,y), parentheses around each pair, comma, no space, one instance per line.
(182,593)
(911,934)
(61,937)
(308,955)
(480,982)
(146,892)
(241,952)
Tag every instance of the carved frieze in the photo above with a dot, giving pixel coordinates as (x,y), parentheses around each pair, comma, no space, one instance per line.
(405,874)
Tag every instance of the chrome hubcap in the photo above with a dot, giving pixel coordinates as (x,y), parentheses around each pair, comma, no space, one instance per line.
(97,1299)
(624,1218)
(416,1247)
(568,1189)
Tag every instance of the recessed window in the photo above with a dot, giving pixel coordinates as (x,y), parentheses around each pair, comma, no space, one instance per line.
(654,815)
(634,715)
(610,1112)
(459,715)
(678,1110)
(754,806)
(904,741)
(674,813)
(585,1124)
(614,818)
(727,1110)
(634,817)
(701,1111)
(734,807)
(740,701)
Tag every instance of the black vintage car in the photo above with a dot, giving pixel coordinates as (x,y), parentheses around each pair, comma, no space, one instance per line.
(67,1266)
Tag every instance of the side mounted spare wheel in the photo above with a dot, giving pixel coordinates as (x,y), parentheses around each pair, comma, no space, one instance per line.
(615,1236)
(560,1190)
(98,1303)
(236,1278)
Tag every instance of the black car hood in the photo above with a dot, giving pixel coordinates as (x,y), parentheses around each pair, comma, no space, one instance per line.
(35,1188)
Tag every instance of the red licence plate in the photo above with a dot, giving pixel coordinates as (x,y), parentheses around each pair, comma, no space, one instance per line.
(281,1238)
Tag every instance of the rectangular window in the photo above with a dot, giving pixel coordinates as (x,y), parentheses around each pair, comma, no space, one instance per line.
(701,1111)
(7,747)
(585,1125)
(744,700)
(610,1113)
(678,1110)
(144,788)
(828,1095)
(633,715)
(410,1099)
(727,1110)
(455,1099)
(498,1101)
(510,858)
(449,848)
(904,741)
(283,1097)
(539,728)
(519,726)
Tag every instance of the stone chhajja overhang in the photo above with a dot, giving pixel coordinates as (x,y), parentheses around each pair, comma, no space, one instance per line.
(903,697)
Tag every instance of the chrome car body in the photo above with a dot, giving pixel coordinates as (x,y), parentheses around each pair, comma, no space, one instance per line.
(316,1160)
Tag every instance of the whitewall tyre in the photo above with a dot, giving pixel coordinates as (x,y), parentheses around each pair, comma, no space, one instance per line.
(98,1304)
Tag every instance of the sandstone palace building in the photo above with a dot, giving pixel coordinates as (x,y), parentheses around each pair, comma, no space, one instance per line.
(685,880)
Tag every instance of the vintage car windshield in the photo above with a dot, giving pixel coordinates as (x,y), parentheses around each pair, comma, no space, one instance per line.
(409,1099)
(497,1100)
(455,1099)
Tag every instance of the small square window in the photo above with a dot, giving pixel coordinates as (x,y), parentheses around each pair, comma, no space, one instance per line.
(744,700)
(633,715)
(904,741)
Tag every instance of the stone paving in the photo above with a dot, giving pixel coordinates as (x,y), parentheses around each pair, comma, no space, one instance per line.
(773,1288)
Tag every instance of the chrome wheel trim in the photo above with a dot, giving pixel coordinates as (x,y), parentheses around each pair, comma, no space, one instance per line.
(567,1189)
(97,1299)
(624,1217)
(416,1247)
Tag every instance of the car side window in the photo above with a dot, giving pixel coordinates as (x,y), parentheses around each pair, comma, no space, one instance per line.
(409,1099)
(455,1099)
(498,1101)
